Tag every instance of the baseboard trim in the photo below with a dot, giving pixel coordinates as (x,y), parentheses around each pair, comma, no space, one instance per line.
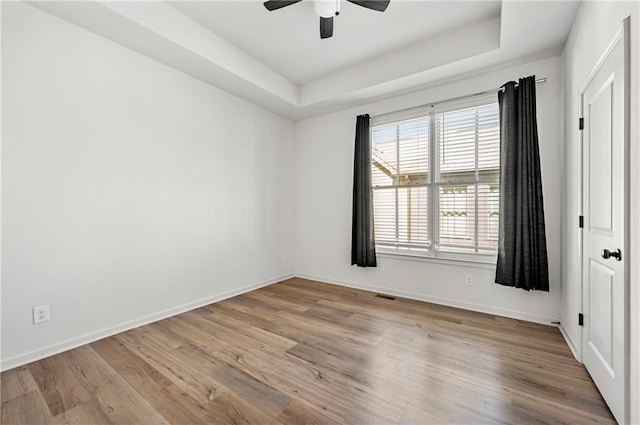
(570,343)
(512,314)
(69,344)
(54,349)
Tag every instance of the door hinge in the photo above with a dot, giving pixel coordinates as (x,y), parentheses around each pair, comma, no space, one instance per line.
(580,319)
(581,221)
(581,123)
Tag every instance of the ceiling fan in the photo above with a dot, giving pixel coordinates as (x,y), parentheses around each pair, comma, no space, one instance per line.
(327,9)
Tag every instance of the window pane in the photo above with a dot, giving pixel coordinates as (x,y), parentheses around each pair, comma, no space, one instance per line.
(384,145)
(413,141)
(457,218)
(384,215)
(453,212)
(488,138)
(461,135)
(410,206)
(457,145)
(412,216)
(488,212)
(406,142)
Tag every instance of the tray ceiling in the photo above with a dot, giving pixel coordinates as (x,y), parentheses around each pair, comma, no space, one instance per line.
(277,60)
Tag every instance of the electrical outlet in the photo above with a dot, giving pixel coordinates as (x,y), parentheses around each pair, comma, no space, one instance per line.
(285,259)
(468,280)
(40,314)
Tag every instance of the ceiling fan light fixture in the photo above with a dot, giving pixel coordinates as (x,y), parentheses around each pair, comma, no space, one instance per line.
(327,8)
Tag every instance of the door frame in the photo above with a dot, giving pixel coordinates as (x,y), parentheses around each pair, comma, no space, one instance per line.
(622,35)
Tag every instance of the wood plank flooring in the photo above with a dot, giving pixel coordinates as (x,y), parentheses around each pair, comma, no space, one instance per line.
(304,352)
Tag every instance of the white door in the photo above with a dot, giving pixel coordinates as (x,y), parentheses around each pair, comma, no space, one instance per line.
(605,184)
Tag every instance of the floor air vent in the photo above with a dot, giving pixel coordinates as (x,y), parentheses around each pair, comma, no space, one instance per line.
(386,297)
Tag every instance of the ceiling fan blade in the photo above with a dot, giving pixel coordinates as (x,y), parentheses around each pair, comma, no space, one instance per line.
(279,4)
(378,5)
(326,27)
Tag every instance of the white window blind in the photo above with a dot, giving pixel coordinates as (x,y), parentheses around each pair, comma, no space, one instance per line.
(435,175)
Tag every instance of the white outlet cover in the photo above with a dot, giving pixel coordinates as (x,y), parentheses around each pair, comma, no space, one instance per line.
(40,314)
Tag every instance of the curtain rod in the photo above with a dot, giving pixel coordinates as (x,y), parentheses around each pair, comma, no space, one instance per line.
(539,80)
(431,104)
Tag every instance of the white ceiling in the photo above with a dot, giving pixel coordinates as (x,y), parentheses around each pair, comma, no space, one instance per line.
(288,40)
(277,59)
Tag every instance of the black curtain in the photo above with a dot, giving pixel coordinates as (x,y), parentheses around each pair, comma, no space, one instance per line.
(363,247)
(522,245)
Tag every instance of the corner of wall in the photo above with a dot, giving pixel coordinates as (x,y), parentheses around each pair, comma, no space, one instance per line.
(571,343)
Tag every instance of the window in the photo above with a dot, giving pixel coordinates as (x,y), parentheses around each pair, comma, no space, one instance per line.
(435,175)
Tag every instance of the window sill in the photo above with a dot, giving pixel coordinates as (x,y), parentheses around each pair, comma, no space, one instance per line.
(483,262)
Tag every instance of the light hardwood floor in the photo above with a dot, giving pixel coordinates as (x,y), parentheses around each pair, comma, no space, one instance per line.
(304,352)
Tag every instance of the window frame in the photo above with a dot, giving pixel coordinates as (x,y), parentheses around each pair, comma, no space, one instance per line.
(431,253)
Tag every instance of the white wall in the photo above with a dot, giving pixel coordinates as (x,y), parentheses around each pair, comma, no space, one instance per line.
(324,164)
(1,97)
(593,28)
(130,190)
